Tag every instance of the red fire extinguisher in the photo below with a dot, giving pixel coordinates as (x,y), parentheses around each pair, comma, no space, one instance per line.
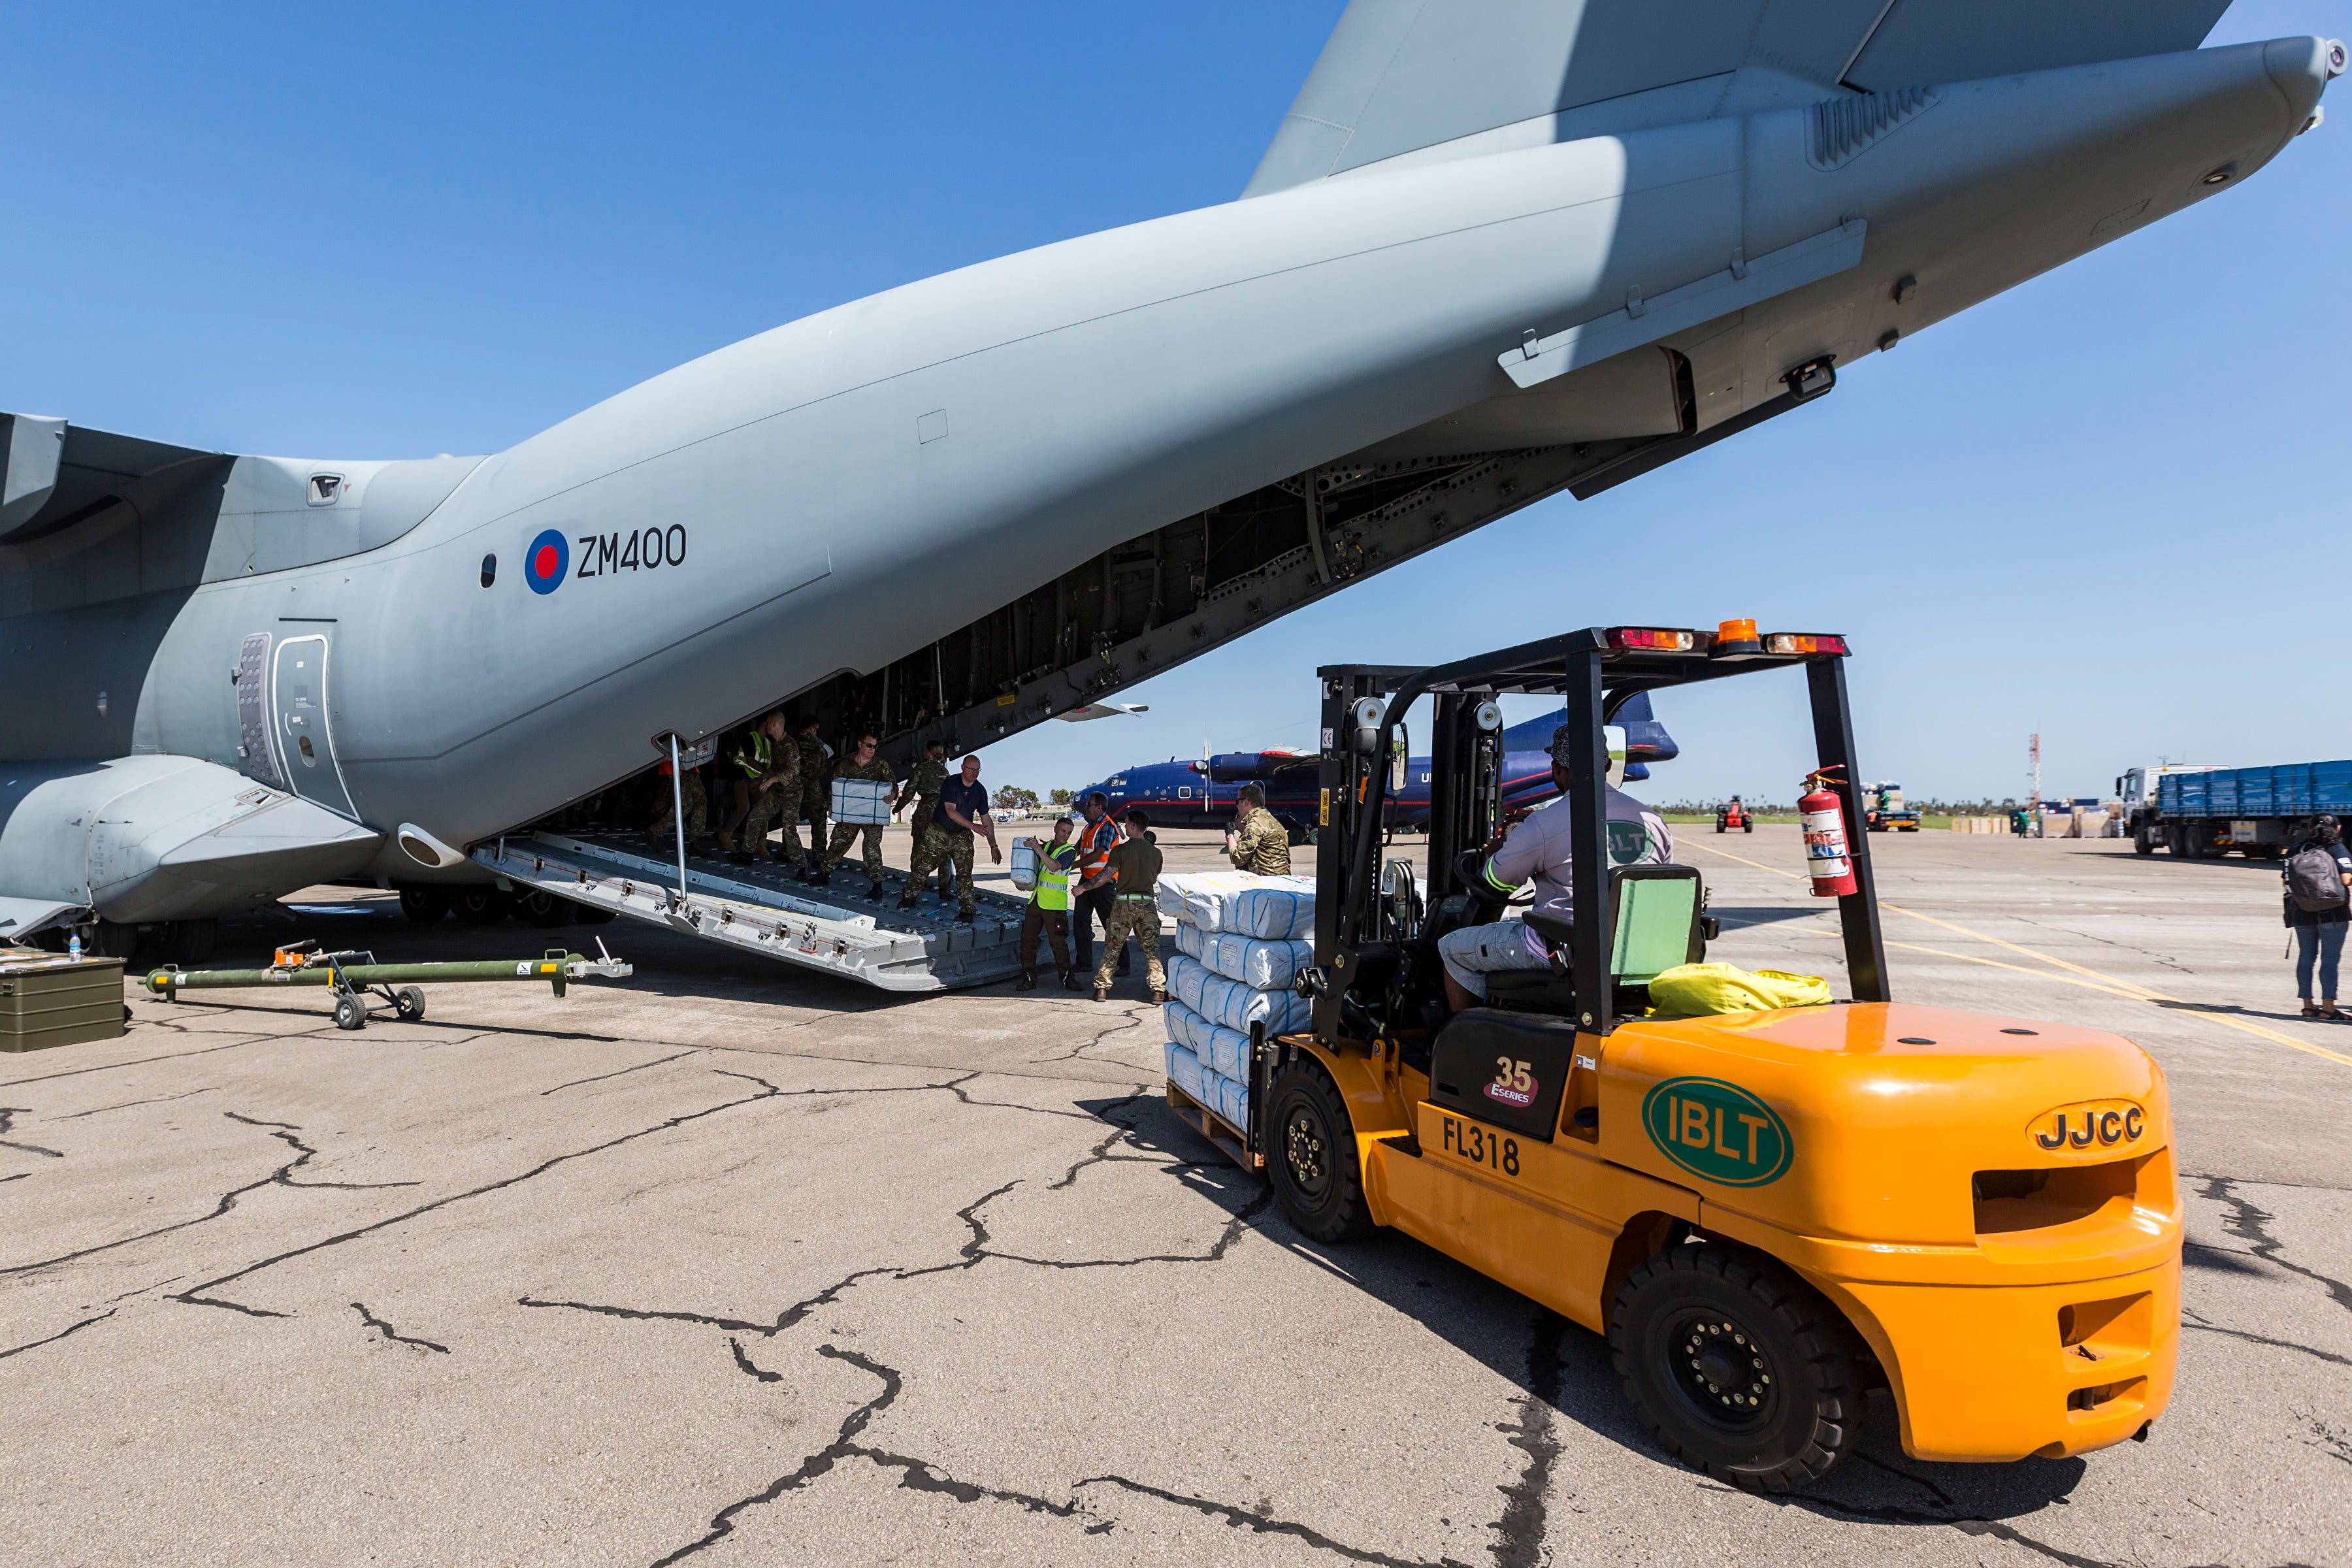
(1827,856)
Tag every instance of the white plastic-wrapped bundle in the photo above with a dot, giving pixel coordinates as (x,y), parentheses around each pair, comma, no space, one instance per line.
(1190,940)
(1184,1072)
(1238,1007)
(1185,978)
(1232,1102)
(1262,965)
(1275,907)
(1188,1028)
(1228,1052)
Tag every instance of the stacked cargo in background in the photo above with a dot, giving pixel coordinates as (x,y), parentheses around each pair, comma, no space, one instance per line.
(1241,940)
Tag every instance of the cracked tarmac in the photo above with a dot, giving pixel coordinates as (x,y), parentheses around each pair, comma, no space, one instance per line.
(722,1265)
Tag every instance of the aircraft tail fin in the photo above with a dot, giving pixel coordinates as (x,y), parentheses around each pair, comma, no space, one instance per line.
(1448,79)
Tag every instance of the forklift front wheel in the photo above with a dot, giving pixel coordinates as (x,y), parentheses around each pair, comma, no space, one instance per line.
(1739,1369)
(1312,1156)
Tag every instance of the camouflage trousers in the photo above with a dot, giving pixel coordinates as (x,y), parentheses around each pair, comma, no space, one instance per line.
(944,846)
(1139,917)
(697,810)
(772,805)
(817,808)
(843,832)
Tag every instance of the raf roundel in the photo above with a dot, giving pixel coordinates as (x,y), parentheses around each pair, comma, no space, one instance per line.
(546,561)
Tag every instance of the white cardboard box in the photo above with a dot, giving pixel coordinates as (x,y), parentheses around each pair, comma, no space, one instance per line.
(861,802)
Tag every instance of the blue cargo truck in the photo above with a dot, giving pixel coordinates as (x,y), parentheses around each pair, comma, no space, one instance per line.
(2200,811)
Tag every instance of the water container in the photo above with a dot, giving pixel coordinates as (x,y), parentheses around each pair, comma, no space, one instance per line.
(1024,867)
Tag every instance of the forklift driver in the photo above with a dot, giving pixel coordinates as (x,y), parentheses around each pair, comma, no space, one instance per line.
(1537,850)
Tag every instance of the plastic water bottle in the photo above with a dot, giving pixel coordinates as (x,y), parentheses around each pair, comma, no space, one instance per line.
(73,947)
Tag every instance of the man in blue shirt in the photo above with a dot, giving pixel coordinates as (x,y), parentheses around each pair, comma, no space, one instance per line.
(962,811)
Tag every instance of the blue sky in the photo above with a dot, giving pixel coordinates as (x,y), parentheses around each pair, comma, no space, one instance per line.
(2107,506)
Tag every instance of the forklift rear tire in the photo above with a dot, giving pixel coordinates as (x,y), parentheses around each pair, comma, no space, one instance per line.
(1311,1156)
(1740,1368)
(1747,826)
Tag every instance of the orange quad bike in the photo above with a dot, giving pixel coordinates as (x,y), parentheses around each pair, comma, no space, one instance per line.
(1771,1214)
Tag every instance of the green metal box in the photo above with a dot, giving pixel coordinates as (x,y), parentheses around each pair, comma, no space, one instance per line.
(46,1000)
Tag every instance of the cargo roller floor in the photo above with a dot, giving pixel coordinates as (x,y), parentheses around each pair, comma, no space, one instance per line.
(766,908)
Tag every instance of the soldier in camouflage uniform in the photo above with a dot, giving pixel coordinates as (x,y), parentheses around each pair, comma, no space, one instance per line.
(864,762)
(751,757)
(924,789)
(775,794)
(662,834)
(815,802)
(1256,842)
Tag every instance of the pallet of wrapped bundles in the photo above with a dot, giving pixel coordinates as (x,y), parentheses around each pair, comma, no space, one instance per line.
(1256,963)
(1184,1070)
(1240,902)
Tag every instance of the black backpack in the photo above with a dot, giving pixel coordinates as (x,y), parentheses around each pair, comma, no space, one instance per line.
(2315,882)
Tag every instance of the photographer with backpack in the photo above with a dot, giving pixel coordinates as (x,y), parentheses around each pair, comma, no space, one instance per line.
(2318,877)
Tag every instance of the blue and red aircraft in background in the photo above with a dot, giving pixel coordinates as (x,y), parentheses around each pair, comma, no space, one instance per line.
(1179,793)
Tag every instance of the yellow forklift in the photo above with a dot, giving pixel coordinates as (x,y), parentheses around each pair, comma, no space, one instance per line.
(1769,1214)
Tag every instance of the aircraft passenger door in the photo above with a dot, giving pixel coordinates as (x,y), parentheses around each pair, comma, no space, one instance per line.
(299,696)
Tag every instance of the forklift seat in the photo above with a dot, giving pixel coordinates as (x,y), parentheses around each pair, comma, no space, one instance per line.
(1655,924)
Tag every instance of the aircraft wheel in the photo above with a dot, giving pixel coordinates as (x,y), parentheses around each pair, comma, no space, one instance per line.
(189,942)
(351,1013)
(1739,1368)
(1312,1156)
(408,1004)
(482,906)
(423,903)
(543,909)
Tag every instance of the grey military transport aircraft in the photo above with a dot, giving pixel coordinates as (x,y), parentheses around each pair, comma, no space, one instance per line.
(1498,249)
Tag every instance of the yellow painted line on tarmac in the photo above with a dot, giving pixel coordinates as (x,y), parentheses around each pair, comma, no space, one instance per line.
(2020,969)
(2109,983)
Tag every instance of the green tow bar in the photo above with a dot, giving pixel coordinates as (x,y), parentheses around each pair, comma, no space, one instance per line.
(352,975)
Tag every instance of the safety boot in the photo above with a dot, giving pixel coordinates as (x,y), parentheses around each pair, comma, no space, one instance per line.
(1026,983)
(1102,993)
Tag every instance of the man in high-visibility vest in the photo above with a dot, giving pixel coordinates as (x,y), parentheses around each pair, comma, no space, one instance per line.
(1097,836)
(1049,907)
(767,763)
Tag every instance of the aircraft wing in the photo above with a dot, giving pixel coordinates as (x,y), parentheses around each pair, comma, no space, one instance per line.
(1448,79)
(23,917)
(1104,711)
(53,474)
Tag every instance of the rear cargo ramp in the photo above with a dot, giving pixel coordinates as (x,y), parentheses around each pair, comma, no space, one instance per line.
(765,908)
